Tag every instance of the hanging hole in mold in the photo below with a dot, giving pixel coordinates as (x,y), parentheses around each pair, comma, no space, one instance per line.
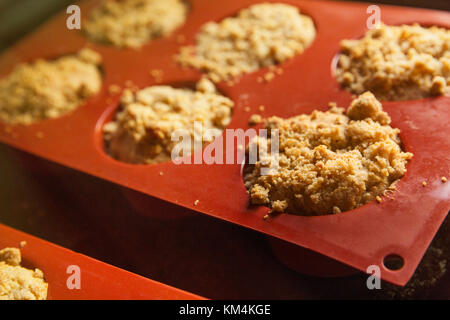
(393,262)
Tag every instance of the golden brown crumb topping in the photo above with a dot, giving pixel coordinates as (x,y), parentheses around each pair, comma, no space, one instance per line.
(18,283)
(48,89)
(142,130)
(260,36)
(329,161)
(131,23)
(255,119)
(397,62)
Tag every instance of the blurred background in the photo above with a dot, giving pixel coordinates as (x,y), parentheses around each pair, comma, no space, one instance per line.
(18,17)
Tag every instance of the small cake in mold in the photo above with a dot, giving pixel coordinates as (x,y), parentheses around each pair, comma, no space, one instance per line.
(328,162)
(48,89)
(141,132)
(132,23)
(260,36)
(397,62)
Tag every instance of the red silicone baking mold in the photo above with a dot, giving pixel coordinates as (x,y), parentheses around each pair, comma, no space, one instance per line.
(98,280)
(403,226)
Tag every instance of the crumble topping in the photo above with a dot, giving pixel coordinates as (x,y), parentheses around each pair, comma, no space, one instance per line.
(18,283)
(397,62)
(131,23)
(260,36)
(48,89)
(141,132)
(329,162)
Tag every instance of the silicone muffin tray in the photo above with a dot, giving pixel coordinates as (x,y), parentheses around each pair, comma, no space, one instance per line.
(403,226)
(98,280)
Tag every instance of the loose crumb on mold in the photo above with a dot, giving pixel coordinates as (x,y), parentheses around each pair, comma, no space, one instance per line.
(444,179)
(196,202)
(22,244)
(378,198)
(424,183)
(255,119)
(269,76)
(328,160)
(114,89)
(157,75)
(262,35)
